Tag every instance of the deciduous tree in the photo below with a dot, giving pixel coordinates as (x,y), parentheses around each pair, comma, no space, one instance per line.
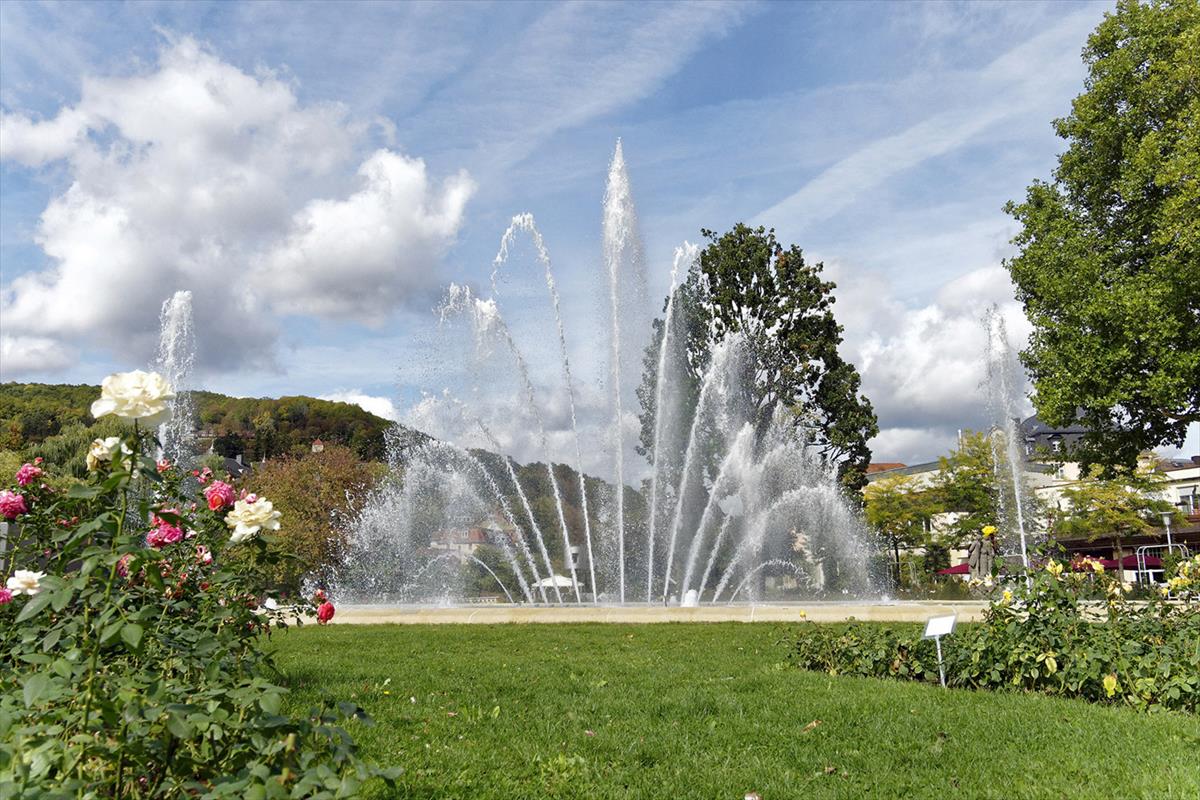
(747,282)
(1108,266)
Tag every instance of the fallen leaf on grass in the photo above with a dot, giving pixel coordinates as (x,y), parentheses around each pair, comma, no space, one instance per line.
(810,726)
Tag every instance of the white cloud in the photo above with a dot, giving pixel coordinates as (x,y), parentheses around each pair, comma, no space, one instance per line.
(342,256)
(379,406)
(924,366)
(33,354)
(197,175)
(34,142)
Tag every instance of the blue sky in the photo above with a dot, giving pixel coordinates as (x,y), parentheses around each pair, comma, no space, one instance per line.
(316,173)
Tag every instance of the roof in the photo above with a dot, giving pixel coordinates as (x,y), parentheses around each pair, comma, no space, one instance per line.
(883,466)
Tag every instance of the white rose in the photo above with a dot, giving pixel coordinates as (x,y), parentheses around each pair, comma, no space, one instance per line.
(104,450)
(249,517)
(135,395)
(25,581)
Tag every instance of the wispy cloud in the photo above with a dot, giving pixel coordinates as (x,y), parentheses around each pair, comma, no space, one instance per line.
(1026,76)
(575,63)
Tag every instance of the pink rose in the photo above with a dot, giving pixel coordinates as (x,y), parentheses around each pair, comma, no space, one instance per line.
(203,475)
(203,555)
(12,505)
(319,596)
(324,612)
(163,465)
(164,535)
(27,474)
(219,495)
(123,565)
(5,597)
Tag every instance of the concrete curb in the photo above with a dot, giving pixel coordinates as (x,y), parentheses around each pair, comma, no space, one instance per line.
(815,612)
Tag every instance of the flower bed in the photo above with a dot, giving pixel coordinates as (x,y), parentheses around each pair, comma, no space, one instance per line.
(1075,634)
(133,653)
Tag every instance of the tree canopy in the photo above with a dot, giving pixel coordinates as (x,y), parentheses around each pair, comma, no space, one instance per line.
(34,414)
(747,282)
(1108,262)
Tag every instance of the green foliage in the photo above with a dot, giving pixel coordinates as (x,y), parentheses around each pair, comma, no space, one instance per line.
(313,492)
(259,428)
(778,300)
(966,485)
(1109,252)
(1073,634)
(138,671)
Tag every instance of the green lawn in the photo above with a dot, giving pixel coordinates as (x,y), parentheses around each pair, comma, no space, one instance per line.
(708,711)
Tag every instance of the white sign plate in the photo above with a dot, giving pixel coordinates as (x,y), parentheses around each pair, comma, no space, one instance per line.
(940,626)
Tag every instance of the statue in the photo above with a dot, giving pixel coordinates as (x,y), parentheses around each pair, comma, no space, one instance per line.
(981,553)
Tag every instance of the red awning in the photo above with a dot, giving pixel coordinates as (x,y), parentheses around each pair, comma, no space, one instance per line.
(961,569)
(1131,562)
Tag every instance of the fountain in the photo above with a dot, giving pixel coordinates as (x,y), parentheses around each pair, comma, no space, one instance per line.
(1004,392)
(176,357)
(729,504)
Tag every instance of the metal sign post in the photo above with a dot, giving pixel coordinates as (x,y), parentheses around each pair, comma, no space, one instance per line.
(936,628)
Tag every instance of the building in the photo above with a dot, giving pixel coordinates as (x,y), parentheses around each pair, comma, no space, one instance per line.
(463,542)
(1048,479)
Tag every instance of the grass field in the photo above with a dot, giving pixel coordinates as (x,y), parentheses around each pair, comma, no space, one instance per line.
(708,711)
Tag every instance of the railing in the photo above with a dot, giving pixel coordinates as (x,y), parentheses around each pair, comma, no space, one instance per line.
(1146,551)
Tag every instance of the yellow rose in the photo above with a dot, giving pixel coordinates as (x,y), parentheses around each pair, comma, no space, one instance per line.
(1110,685)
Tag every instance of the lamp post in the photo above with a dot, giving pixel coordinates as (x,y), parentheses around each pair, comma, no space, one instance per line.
(1166,518)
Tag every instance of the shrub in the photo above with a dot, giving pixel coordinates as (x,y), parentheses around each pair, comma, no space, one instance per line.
(1075,634)
(134,665)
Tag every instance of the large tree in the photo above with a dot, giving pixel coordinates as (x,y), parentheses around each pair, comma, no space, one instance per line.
(746,282)
(1108,266)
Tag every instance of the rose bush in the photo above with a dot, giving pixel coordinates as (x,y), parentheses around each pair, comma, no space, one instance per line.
(133,648)
(1073,633)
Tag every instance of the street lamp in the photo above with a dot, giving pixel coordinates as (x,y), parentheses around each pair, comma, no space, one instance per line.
(1166,518)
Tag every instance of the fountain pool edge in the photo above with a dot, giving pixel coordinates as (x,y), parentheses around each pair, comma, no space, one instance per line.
(798,612)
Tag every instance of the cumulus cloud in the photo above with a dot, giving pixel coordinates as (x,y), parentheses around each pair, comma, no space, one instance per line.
(34,353)
(340,255)
(374,404)
(197,175)
(924,366)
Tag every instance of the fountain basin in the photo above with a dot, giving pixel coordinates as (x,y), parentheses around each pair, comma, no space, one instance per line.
(817,611)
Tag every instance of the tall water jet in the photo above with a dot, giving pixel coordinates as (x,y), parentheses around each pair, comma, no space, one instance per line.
(526,223)
(176,358)
(1004,392)
(623,266)
(489,324)
(714,389)
(685,254)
